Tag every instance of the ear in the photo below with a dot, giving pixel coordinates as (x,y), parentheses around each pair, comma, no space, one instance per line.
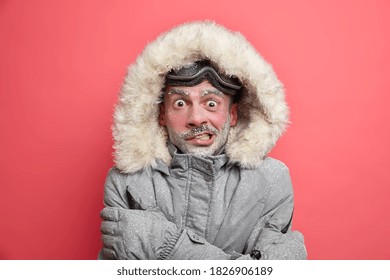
(233,114)
(161,116)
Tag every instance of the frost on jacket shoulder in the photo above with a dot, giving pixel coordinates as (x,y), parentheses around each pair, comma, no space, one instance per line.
(251,212)
(142,158)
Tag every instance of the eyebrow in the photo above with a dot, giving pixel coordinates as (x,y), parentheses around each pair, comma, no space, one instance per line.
(178,91)
(211,91)
(203,93)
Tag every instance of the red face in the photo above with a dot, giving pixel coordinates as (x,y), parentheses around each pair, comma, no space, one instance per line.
(197,118)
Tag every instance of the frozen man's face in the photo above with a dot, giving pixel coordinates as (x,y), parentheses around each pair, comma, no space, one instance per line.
(197,118)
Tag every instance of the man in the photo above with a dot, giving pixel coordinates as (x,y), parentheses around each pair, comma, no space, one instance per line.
(198,112)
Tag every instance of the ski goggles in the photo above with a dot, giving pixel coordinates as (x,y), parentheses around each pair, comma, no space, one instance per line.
(195,73)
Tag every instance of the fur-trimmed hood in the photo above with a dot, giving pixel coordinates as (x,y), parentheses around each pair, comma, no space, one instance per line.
(263,113)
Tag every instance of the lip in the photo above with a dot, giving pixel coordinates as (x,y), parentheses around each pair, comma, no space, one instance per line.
(201,140)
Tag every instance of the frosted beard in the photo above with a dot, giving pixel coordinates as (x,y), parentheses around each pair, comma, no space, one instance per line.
(179,139)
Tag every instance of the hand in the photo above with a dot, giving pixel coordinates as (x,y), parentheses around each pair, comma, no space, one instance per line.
(135,234)
(289,246)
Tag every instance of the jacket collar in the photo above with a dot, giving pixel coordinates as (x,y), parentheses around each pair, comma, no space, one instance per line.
(206,164)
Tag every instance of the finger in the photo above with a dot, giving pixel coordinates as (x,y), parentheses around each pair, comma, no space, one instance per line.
(130,215)
(109,254)
(110,242)
(109,228)
(110,214)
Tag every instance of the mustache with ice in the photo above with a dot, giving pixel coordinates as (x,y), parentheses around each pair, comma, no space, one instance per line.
(203,131)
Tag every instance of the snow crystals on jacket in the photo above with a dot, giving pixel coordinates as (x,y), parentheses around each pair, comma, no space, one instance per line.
(221,207)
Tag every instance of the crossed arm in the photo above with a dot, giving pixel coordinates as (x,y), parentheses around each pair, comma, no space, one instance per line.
(147,234)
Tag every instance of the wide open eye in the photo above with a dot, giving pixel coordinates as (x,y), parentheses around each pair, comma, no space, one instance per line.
(179,103)
(212,104)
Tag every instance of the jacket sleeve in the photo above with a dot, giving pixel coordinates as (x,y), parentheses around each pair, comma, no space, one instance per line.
(179,244)
(190,246)
(274,238)
(115,192)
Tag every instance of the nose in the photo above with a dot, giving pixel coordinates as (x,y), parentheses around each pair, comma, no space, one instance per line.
(196,117)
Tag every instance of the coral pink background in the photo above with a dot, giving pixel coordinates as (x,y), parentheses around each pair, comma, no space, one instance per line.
(61,67)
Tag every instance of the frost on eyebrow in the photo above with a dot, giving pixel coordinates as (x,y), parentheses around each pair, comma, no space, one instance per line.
(211,91)
(178,91)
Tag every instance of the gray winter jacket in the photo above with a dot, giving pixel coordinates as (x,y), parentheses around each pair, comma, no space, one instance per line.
(220,210)
(220,207)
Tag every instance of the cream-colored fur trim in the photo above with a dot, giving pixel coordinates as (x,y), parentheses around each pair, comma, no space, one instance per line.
(263,113)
